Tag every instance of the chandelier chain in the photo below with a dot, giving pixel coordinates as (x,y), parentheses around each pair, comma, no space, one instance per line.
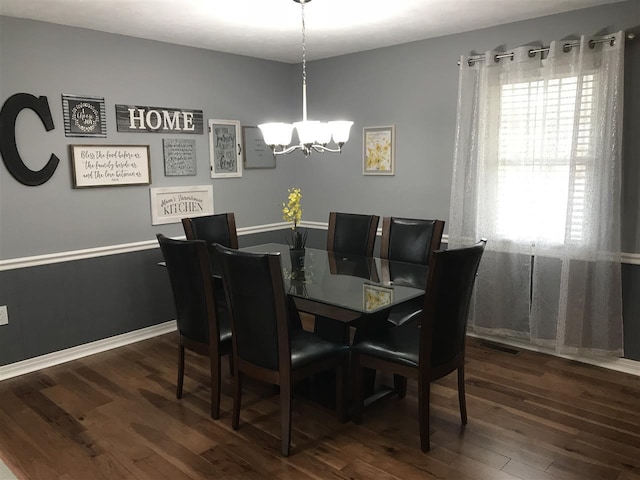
(304,51)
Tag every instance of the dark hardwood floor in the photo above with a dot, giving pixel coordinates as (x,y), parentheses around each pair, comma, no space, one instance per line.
(115,415)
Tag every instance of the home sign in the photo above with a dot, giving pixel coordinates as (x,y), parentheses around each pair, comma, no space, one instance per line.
(139,119)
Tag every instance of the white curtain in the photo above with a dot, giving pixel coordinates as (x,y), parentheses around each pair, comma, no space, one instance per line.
(537,172)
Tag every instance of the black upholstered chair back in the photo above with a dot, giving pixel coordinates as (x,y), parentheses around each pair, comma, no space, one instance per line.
(255,294)
(410,240)
(220,228)
(446,307)
(352,233)
(184,260)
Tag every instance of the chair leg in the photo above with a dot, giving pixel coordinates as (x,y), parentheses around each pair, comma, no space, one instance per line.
(461,395)
(237,398)
(180,371)
(400,385)
(358,389)
(230,357)
(214,366)
(424,391)
(342,373)
(285,417)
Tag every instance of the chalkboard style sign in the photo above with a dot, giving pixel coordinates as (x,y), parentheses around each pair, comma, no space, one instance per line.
(179,157)
(257,154)
(141,119)
(225,148)
(110,165)
(84,116)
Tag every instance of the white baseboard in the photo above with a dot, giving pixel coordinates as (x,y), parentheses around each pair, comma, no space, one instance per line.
(73,353)
(623,365)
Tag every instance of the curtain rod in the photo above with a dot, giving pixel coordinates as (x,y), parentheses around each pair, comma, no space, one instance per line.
(565,48)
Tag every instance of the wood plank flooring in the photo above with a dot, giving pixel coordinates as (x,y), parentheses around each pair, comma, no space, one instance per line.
(115,415)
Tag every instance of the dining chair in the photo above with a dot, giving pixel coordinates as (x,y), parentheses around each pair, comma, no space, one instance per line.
(436,348)
(409,240)
(219,228)
(202,327)
(352,233)
(268,344)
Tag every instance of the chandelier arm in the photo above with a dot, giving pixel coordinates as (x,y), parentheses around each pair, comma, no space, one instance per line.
(323,148)
(284,151)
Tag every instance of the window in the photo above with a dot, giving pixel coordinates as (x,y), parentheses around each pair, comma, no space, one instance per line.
(540,191)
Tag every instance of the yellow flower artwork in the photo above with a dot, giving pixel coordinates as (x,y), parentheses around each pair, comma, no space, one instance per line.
(376,297)
(378,151)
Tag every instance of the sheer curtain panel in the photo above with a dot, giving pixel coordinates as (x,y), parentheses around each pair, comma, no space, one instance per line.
(537,171)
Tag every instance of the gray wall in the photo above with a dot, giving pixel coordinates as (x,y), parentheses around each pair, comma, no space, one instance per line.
(412,86)
(47,59)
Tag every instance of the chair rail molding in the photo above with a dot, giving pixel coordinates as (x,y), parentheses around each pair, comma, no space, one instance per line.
(72,255)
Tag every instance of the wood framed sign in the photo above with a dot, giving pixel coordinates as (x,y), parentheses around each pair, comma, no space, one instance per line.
(141,119)
(225,148)
(172,204)
(110,165)
(84,116)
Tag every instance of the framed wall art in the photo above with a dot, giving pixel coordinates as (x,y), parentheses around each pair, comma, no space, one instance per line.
(378,155)
(110,165)
(179,157)
(84,116)
(225,148)
(257,154)
(172,204)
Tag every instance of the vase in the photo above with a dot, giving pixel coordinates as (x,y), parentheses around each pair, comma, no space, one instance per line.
(297,263)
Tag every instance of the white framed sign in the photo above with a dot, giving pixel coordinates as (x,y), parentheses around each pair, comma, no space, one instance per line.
(110,165)
(225,148)
(172,204)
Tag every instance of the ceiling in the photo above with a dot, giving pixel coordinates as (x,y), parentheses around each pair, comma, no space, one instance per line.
(271,29)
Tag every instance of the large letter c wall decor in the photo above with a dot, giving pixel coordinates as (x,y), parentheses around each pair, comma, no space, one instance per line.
(8,149)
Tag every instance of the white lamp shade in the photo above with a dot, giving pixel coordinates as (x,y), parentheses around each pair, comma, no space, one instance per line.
(340,130)
(308,131)
(276,133)
(323,135)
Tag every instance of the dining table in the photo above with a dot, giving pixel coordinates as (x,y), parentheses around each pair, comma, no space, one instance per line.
(348,295)
(348,290)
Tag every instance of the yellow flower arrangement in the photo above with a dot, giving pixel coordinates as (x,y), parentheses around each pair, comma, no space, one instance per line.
(292,212)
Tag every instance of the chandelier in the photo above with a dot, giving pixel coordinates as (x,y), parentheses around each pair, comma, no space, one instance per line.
(312,135)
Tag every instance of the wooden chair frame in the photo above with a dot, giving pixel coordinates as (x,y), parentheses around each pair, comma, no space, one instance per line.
(285,376)
(187,225)
(371,235)
(425,373)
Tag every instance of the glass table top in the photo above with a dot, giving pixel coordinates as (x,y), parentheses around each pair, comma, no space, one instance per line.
(361,284)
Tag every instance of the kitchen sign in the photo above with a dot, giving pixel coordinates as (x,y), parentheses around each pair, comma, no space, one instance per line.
(172,204)
(139,119)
